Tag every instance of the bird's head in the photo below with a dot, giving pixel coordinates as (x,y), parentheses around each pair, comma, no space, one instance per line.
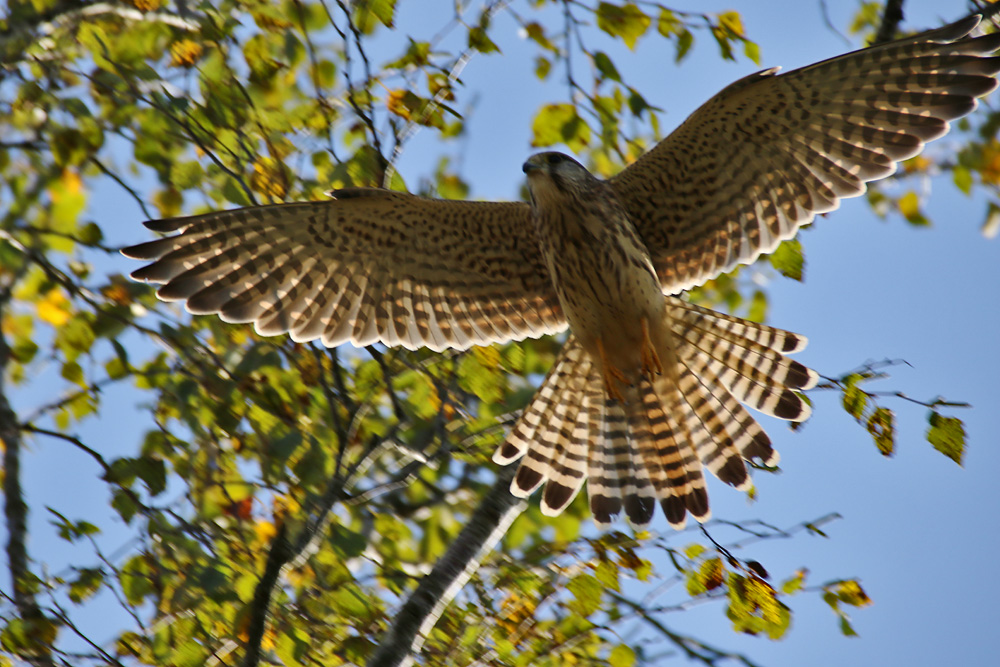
(554,176)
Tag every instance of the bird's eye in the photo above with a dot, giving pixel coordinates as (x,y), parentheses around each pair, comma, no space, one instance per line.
(554,158)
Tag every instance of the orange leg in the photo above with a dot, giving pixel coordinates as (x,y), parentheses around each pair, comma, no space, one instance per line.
(611,374)
(650,360)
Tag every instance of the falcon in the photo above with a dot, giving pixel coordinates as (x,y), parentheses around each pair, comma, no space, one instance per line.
(649,389)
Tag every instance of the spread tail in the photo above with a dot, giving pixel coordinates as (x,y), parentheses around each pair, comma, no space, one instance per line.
(653,445)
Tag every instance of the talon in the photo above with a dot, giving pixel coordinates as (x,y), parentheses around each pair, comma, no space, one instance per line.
(650,359)
(611,375)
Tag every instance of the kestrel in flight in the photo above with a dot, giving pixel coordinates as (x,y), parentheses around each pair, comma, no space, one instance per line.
(649,389)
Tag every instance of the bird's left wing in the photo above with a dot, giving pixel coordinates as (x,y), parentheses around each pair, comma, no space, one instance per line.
(367,266)
(769,152)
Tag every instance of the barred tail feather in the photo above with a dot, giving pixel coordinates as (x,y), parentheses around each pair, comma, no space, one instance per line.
(651,447)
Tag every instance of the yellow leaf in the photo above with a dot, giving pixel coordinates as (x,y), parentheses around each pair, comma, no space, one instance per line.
(185,53)
(168,201)
(850,592)
(54,308)
(732,22)
(268,178)
(909,205)
(916,164)
(487,356)
(265,530)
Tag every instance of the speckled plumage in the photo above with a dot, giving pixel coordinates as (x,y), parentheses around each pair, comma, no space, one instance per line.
(648,389)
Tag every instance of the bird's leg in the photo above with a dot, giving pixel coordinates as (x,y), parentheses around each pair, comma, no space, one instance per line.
(611,374)
(650,359)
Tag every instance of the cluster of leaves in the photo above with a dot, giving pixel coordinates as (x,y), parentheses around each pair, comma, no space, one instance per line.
(945,434)
(609,99)
(286,497)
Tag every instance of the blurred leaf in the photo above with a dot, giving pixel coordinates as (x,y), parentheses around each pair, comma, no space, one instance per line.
(709,576)
(947,435)
(795,583)
(88,581)
(587,590)
(542,67)
(606,67)
(560,123)
(53,308)
(685,41)
(882,429)
(909,206)
(962,177)
(627,22)
(607,574)
(732,22)
(480,40)
(367,12)
(854,399)
(850,592)
(621,656)
(788,260)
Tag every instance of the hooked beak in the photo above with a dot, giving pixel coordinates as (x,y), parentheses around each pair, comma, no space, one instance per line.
(529,167)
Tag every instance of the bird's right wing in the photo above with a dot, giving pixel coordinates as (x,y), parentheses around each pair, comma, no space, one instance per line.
(367,266)
(769,152)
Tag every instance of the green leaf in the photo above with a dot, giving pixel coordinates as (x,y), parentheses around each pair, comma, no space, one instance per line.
(963,178)
(587,591)
(87,583)
(794,584)
(480,41)
(854,399)
(692,551)
(880,426)
(542,67)
(607,574)
(367,12)
(122,502)
(752,51)
(668,24)
(72,372)
(947,435)
(621,656)
(24,350)
(90,234)
(788,260)
(185,175)
(757,311)
(136,579)
(684,42)
(606,67)
(153,473)
(627,22)
(850,592)
(116,368)
(560,123)
(909,206)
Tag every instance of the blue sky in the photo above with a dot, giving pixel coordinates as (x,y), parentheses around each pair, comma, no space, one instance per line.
(918,530)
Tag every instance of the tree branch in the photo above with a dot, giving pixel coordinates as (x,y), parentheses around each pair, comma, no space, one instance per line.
(438,588)
(891,18)
(15,509)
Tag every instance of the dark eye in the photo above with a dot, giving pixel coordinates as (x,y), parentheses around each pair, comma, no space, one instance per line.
(554,158)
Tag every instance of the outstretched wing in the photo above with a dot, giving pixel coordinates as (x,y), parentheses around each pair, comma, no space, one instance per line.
(768,153)
(368,266)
